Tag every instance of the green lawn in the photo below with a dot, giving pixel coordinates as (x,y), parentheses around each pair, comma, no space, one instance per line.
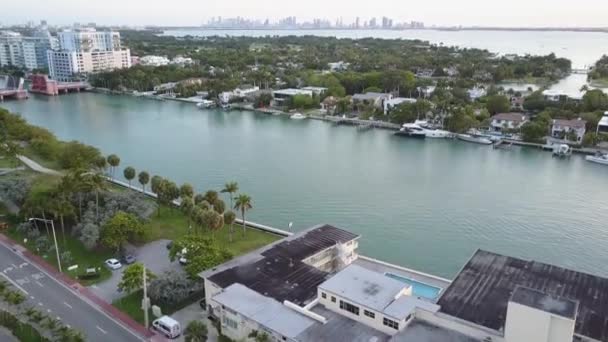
(80,255)
(600,83)
(172,224)
(9,162)
(131,305)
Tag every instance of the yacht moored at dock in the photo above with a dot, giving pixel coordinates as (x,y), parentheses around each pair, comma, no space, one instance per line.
(411,133)
(205,104)
(297,116)
(474,139)
(599,158)
(420,126)
(562,150)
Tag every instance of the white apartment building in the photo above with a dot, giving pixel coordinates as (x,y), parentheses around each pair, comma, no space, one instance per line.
(313,286)
(26,52)
(89,39)
(152,60)
(84,51)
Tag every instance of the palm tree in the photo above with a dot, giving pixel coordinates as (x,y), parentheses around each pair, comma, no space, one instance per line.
(143,179)
(187,205)
(186,190)
(97,183)
(230,188)
(211,196)
(229,217)
(243,203)
(196,331)
(114,161)
(62,207)
(129,174)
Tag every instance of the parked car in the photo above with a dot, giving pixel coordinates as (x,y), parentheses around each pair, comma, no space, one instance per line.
(167,326)
(128,259)
(113,264)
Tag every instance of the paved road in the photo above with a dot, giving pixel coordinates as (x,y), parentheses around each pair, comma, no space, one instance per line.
(52,298)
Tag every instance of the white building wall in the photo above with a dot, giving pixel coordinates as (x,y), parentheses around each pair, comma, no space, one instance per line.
(528,324)
(376,322)
(467,328)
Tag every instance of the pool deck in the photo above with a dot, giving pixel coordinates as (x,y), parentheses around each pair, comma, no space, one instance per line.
(385,267)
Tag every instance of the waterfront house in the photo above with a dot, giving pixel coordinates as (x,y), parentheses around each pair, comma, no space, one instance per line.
(502,121)
(314,286)
(245,90)
(426,91)
(424,73)
(557,96)
(372,98)
(602,126)
(394,102)
(571,130)
(279,97)
(329,104)
(152,60)
(320,91)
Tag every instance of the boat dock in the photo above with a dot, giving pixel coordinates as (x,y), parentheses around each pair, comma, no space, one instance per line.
(359,122)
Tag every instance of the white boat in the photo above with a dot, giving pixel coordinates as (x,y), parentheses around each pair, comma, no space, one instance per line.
(428,132)
(599,158)
(562,150)
(205,104)
(474,139)
(297,116)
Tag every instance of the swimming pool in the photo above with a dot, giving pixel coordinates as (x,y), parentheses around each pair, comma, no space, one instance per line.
(418,289)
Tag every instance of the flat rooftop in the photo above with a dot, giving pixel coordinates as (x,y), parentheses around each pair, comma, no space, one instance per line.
(481,291)
(362,286)
(421,331)
(263,310)
(541,301)
(340,329)
(277,270)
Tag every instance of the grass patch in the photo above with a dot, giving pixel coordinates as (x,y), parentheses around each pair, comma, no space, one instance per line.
(131,305)
(599,83)
(7,162)
(29,152)
(172,224)
(81,256)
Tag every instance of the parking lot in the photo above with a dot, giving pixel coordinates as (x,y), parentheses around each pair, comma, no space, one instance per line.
(154,255)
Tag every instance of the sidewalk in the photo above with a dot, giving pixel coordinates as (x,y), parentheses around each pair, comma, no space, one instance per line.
(82,291)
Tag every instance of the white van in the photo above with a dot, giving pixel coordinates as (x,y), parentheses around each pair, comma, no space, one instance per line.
(167,326)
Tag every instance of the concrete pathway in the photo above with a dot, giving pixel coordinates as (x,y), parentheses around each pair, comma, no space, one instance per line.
(6,336)
(37,167)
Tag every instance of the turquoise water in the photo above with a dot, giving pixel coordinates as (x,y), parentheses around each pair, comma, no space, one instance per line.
(426,205)
(418,289)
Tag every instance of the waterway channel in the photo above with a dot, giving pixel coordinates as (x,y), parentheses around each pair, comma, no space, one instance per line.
(421,204)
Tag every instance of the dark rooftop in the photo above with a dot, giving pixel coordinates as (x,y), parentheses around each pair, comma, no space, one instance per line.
(542,301)
(481,291)
(278,271)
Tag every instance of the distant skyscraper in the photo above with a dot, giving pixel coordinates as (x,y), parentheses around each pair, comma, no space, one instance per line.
(26,52)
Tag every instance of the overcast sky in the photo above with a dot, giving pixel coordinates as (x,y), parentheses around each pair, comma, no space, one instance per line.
(194,12)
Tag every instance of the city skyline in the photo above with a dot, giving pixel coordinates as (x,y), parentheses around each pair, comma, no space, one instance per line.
(520,13)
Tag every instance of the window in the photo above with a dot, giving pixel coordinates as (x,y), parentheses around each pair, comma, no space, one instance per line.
(390,323)
(369,314)
(333,299)
(349,307)
(323,295)
(230,323)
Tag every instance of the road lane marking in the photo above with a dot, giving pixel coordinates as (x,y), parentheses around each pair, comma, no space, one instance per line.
(23,265)
(32,297)
(59,318)
(69,306)
(49,310)
(15,266)
(40,284)
(14,283)
(40,303)
(76,295)
(103,331)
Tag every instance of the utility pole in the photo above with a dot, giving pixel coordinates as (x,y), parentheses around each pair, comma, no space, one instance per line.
(34,219)
(145,301)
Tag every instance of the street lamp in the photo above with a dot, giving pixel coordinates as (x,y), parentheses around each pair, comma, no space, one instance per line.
(54,237)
